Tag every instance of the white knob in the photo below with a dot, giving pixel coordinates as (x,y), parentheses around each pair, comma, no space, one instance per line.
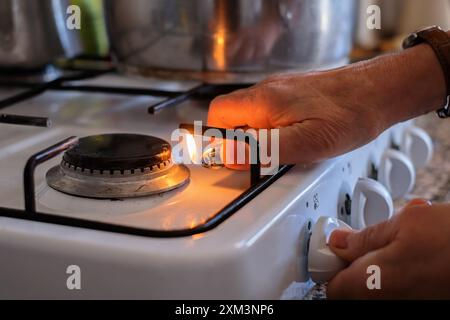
(397,132)
(396,173)
(323,264)
(417,145)
(371,204)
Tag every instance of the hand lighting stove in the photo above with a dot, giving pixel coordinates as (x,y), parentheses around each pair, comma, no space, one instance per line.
(98,190)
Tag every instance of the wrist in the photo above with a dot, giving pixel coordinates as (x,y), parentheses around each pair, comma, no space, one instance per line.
(422,74)
(425,76)
(403,85)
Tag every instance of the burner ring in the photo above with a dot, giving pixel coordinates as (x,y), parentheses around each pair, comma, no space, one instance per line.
(117,187)
(118,152)
(117,166)
(119,173)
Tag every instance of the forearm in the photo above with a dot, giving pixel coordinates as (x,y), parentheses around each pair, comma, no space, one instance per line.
(404,85)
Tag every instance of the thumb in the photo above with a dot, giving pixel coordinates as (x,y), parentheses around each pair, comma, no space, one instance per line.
(350,244)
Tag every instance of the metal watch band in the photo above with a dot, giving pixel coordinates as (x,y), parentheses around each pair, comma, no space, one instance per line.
(439,41)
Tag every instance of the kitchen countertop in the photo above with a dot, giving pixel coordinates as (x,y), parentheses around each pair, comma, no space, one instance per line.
(432,182)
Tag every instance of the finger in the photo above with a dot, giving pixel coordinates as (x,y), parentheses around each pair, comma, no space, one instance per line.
(305,141)
(309,141)
(351,245)
(297,143)
(239,109)
(301,142)
(236,155)
(354,282)
(229,111)
(239,154)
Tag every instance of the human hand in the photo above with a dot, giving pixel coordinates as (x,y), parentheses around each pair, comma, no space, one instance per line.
(324,114)
(412,251)
(319,115)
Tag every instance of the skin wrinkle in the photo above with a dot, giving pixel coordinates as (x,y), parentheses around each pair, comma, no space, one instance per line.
(356,110)
(372,89)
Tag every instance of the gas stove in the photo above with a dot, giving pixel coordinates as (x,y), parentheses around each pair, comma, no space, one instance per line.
(97,192)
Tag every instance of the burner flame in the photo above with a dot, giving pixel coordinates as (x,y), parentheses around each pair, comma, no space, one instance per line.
(191,147)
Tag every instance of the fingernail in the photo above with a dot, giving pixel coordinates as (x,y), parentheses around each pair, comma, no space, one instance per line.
(419,202)
(339,239)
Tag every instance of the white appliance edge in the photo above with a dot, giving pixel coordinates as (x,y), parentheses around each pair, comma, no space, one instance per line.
(255,254)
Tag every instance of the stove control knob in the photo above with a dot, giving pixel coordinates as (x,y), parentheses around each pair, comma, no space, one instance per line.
(371,204)
(396,173)
(417,145)
(323,264)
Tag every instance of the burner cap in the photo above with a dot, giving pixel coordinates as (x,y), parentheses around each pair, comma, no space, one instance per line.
(117,166)
(118,152)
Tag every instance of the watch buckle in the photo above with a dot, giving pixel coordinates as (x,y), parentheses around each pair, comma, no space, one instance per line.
(444,112)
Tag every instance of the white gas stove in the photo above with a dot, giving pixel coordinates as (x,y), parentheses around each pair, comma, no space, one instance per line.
(211,235)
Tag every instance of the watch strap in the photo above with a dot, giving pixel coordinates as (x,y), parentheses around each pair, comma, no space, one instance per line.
(439,41)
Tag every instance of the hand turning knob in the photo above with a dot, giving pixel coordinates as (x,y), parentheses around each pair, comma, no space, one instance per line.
(371,204)
(417,145)
(323,264)
(396,173)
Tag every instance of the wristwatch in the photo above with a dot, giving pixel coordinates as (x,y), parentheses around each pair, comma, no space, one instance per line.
(439,40)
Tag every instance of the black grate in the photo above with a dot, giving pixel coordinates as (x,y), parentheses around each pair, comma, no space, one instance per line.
(204,91)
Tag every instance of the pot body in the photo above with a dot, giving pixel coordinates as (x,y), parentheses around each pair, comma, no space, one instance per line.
(229,40)
(34,33)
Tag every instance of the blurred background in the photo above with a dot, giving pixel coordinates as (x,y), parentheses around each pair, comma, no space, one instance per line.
(209,40)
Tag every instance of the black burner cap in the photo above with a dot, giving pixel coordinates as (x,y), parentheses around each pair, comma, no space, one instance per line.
(118,152)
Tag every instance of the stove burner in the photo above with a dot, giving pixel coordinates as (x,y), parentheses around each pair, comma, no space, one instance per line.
(117,166)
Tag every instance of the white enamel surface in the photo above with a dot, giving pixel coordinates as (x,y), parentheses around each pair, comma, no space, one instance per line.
(323,264)
(371,204)
(396,173)
(207,192)
(255,254)
(417,145)
(167,211)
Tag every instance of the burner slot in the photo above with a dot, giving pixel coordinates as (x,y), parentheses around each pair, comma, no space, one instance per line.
(25,120)
(255,168)
(36,160)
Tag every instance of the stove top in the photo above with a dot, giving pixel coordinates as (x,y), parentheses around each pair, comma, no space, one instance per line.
(138,159)
(70,194)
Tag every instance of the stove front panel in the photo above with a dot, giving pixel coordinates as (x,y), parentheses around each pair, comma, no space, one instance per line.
(255,254)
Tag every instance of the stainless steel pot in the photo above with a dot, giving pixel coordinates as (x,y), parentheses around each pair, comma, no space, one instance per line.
(229,40)
(34,33)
